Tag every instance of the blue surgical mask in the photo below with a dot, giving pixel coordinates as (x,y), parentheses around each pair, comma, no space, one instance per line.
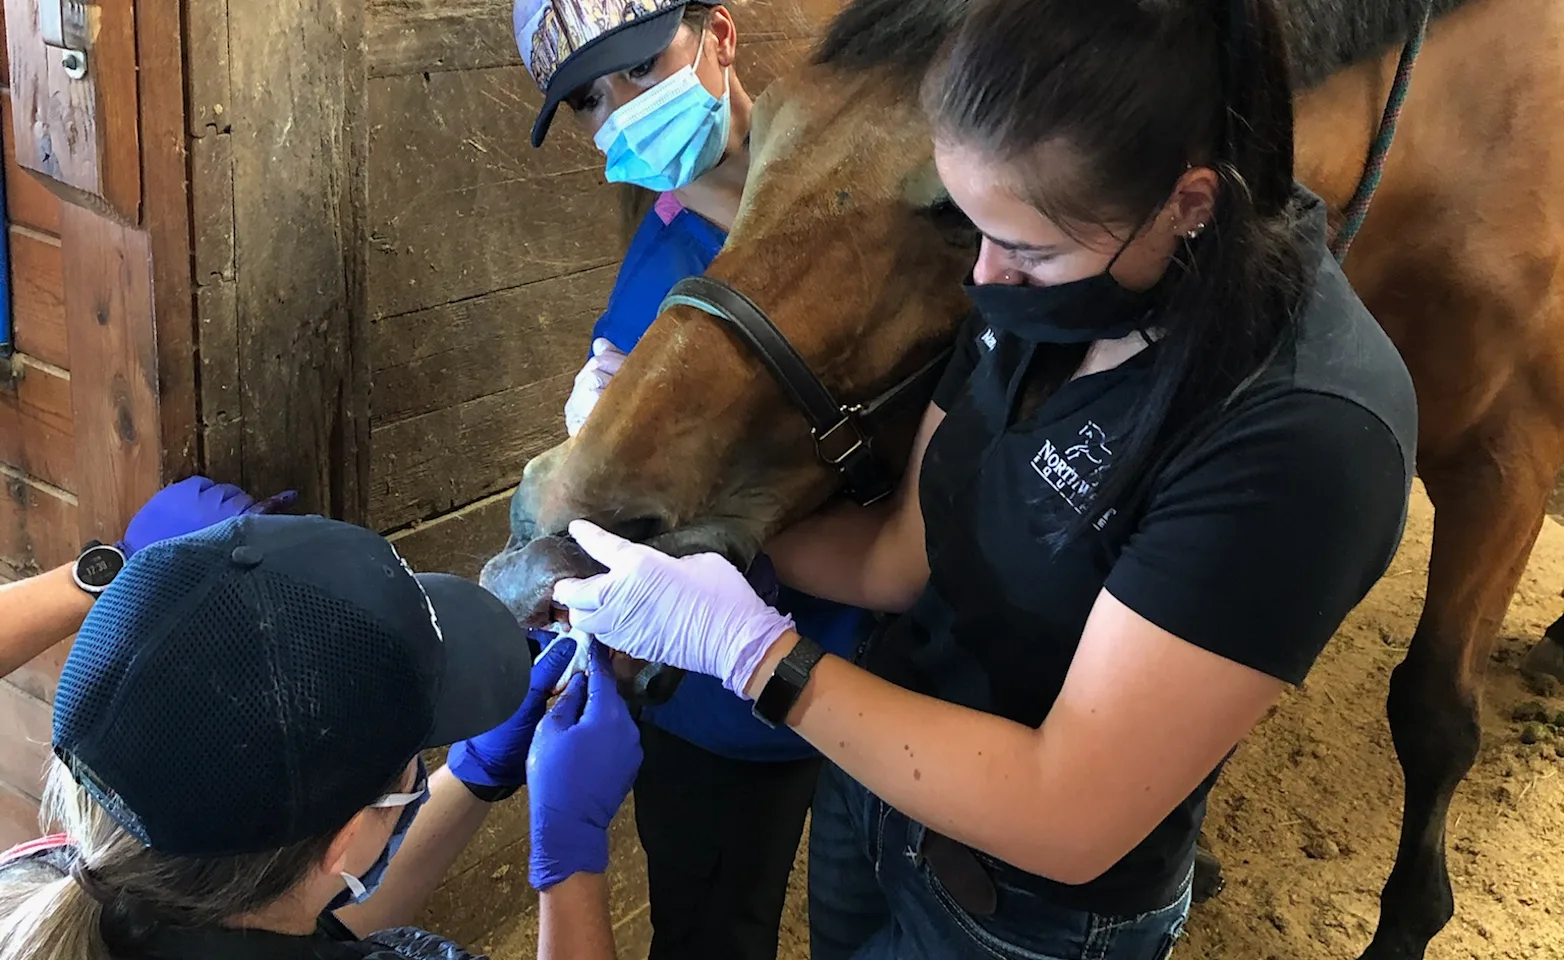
(360,888)
(670,135)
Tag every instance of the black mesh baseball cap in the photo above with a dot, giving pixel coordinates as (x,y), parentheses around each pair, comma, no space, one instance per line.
(567,44)
(256,684)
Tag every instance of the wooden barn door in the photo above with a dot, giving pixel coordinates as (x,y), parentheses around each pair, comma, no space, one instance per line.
(95,402)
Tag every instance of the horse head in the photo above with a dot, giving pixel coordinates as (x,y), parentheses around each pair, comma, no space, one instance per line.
(847,240)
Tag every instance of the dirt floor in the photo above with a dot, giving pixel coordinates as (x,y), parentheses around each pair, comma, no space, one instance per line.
(1305,819)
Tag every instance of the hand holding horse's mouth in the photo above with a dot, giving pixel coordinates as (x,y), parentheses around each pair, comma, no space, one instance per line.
(523,578)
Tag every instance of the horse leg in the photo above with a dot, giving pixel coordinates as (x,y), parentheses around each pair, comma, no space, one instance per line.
(1488,494)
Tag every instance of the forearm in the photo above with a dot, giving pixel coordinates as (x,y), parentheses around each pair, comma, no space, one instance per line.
(37,613)
(439,834)
(851,554)
(975,777)
(573,920)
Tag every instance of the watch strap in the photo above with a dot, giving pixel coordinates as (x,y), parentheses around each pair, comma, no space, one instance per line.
(787,682)
(489,793)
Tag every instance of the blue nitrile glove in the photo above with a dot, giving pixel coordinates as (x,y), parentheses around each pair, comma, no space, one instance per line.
(582,764)
(498,758)
(193,504)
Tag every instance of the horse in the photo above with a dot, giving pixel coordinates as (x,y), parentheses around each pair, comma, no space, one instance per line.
(848,242)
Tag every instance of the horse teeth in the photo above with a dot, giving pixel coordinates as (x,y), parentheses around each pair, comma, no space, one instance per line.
(579,660)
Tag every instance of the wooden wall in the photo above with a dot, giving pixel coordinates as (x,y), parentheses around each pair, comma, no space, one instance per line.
(95,403)
(488,261)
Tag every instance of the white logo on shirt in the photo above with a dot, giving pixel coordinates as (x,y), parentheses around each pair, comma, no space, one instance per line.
(1073,471)
(988,338)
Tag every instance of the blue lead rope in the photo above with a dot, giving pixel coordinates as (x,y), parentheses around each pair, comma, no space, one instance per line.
(1379,151)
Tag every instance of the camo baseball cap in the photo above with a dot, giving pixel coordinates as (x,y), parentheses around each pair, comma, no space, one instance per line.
(566,44)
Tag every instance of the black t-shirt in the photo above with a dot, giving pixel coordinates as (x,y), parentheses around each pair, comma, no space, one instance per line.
(1263,524)
(332,940)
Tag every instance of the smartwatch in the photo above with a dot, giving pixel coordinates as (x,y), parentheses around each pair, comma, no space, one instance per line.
(787,683)
(97,567)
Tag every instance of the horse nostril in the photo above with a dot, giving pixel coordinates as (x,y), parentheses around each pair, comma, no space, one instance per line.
(638,530)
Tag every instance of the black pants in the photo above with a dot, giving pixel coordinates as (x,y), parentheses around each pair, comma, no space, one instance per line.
(719,836)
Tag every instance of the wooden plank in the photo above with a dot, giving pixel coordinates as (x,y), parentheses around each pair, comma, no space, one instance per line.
(81,133)
(447,355)
(36,434)
(425,466)
(298,145)
(38,524)
(24,749)
(212,206)
(461,204)
(27,201)
(38,296)
(114,394)
(207,68)
(40,676)
(164,163)
(18,817)
(460,542)
(427,36)
(222,415)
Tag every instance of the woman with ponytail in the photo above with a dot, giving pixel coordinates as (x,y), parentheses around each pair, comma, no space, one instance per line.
(237,769)
(1172,452)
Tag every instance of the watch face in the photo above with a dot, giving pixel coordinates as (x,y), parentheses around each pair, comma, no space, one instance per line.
(98,566)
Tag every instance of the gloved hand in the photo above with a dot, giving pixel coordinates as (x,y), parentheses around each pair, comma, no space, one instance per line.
(192,504)
(582,764)
(498,758)
(698,613)
(591,382)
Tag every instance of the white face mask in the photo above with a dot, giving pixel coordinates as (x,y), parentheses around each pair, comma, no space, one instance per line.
(671,134)
(360,889)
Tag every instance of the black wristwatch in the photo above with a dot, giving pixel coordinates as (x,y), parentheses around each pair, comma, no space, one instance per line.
(787,683)
(97,567)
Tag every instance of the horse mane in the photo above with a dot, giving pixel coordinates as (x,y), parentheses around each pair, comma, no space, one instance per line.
(1325,35)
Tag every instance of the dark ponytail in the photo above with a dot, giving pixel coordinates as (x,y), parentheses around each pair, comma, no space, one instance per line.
(1098,109)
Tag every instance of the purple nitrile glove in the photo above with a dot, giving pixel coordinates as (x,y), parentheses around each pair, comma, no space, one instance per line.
(698,612)
(591,382)
(193,504)
(498,758)
(582,765)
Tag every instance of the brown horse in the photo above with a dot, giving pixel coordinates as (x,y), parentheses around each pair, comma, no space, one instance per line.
(846,241)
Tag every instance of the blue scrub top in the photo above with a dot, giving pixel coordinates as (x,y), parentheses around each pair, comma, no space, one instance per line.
(673,243)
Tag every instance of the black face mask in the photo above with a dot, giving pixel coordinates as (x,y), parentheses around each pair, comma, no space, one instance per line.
(1081,311)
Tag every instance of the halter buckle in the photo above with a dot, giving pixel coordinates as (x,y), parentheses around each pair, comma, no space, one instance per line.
(849,421)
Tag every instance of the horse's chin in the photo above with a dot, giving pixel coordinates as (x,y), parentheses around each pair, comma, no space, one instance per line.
(523,577)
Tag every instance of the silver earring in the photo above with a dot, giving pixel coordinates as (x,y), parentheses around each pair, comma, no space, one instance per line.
(1192,234)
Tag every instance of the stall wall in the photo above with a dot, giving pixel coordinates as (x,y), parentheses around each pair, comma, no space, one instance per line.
(38,523)
(488,261)
(95,403)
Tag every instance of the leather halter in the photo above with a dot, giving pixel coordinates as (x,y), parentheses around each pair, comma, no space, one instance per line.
(843,433)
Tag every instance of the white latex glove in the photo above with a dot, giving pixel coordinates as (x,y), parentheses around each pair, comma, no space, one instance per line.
(590,383)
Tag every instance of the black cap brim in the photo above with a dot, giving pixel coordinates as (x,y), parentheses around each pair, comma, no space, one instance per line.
(619,49)
(488,663)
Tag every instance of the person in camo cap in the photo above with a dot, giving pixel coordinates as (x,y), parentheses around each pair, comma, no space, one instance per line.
(721,798)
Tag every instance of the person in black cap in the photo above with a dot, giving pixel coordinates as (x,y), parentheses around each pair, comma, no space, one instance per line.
(237,737)
(38,612)
(721,799)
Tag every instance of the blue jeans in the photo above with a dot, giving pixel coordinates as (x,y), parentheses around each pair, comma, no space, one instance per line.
(873,897)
